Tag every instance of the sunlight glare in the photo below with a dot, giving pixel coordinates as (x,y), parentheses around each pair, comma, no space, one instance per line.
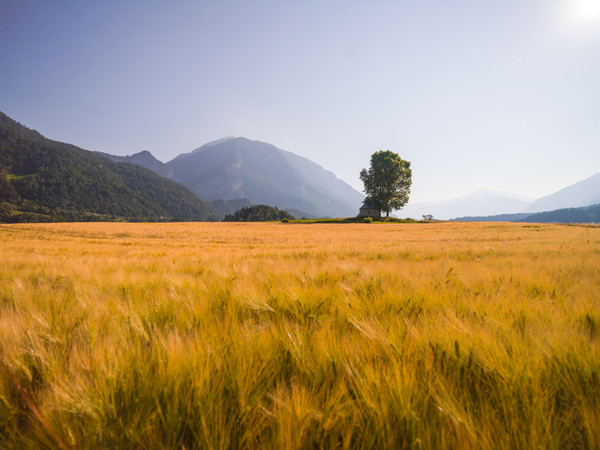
(585,12)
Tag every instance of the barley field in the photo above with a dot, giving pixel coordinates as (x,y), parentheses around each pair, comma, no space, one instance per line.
(199,335)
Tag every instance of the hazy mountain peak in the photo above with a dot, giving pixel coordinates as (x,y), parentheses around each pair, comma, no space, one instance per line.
(490,203)
(237,167)
(144,155)
(208,145)
(147,160)
(480,203)
(583,193)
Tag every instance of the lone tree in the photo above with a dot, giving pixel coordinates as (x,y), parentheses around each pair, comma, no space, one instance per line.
(387,181)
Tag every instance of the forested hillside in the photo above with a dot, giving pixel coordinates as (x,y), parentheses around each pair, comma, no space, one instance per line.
(587,214)
(45,180)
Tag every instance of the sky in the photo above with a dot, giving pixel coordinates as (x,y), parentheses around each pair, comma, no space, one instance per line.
(475,94)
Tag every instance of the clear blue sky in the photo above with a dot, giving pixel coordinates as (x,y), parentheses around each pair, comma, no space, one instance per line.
(476,94)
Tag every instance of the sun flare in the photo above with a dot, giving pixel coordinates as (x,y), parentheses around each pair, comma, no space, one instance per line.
(585,12)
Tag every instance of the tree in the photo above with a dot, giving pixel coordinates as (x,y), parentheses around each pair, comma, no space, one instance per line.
(387,182)
(258,213)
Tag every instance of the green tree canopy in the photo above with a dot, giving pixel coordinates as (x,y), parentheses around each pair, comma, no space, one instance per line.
(388,180)
(258,213)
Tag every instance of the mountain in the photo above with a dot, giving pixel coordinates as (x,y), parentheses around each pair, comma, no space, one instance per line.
(480,203)
(586,214)
(144,159)
(45,180)
(326,182)
(236,168)
(562,206)
(583,193)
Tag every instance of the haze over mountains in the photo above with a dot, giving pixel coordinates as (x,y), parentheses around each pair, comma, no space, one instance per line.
(480,203)
(46,180)
(50,180)
(490,205)
(145,159)
(583,193)
(238,168)
(233,168)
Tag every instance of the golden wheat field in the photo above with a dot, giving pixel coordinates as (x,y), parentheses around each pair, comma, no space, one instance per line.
(198,335)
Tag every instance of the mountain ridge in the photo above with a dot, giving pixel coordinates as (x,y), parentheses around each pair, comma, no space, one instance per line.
(144,159)
(485,205)
(46,180)
(229,172)
(479,203)
(237,167)
(582,193)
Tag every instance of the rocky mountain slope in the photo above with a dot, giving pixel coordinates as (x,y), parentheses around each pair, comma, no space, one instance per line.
(236,168)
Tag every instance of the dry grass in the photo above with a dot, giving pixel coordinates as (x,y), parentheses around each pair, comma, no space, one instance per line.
(292,336)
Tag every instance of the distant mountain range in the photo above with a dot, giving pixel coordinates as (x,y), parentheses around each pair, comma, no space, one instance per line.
(492,206)
(584,214)
(238,169)
(583,193)
(41,179)
(480,203)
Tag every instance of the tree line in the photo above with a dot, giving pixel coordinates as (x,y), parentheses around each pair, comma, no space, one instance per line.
(258,213)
